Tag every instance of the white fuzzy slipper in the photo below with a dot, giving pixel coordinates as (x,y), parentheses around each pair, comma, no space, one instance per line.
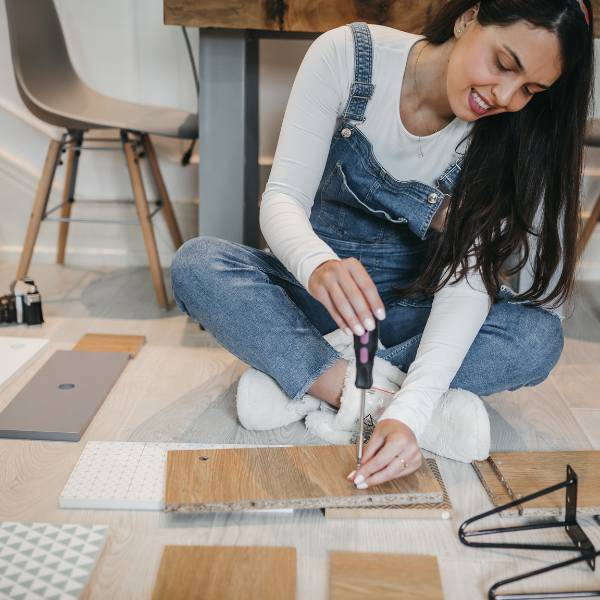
(320,423)
(459,428)
(262,404)
(387,380)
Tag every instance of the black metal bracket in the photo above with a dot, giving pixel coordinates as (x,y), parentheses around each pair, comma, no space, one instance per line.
(580,542)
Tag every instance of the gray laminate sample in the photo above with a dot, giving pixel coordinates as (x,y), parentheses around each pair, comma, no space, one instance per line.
(62,398)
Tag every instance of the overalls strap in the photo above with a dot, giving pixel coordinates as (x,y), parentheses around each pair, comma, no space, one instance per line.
(362,88)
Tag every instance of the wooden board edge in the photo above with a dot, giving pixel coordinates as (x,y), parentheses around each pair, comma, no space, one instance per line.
(434,510)
(308,503)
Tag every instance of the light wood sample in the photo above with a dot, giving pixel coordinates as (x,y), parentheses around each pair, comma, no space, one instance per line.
(101,342)
(292,477)
(432,510)
(226,572)
(367,576)
(305,15)
(528,472)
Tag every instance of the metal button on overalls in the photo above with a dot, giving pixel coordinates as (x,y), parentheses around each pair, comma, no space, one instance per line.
(432,198)
(346,132)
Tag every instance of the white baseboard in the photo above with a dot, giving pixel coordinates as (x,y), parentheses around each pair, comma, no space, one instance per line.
(86,257)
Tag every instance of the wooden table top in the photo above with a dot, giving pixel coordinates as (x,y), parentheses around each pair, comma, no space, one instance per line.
(313,16)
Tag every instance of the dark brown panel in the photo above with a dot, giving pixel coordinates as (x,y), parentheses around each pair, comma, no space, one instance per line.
(305,15)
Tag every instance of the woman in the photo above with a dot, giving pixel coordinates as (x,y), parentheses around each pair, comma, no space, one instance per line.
(409,169)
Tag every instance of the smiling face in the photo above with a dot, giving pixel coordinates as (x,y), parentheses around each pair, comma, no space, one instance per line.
(492,69)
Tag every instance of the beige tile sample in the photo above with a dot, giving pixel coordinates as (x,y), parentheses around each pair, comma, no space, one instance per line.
(226,572)
(109,342)
(370,576)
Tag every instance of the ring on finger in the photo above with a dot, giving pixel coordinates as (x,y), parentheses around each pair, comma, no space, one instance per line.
(402,464)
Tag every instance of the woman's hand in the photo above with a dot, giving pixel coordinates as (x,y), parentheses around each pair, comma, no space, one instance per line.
(391,452)
(347,291)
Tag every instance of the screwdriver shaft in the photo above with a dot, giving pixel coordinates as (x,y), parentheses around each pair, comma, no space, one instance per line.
(361,430)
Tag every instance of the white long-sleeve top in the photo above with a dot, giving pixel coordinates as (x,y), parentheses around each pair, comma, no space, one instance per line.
(318,98)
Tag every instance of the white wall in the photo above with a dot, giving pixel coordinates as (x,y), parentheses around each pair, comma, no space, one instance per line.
(123,49)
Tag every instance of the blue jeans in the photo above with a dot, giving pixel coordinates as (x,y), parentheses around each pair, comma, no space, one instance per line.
(257,310)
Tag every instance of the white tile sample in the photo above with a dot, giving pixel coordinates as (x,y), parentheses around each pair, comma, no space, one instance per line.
(15,353)
(45,560)
(124,475)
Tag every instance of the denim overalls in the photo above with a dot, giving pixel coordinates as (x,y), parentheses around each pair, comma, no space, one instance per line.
(360,209)
(257,310)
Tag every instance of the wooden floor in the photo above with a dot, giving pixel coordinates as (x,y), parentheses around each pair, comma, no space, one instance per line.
(181,387)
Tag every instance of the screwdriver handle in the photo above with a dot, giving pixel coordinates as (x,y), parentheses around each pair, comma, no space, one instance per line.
(365,347)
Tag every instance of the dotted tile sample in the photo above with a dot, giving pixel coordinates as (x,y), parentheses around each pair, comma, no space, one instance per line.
(123,475)
(45,560)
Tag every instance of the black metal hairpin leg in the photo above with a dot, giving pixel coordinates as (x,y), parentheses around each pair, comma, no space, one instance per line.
(580,541)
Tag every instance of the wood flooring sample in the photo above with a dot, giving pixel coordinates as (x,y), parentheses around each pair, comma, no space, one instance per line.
(289,477)
(108,342)
(368,576)
(226,572)
(528,472)
(434,510)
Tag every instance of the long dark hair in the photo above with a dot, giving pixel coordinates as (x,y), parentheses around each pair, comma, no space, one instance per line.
(519,164)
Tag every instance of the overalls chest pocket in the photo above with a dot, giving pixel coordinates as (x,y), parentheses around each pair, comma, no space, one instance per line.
(359,205)
(350,206)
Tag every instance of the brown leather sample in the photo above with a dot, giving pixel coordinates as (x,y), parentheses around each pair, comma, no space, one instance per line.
(367,576)
(226,572)
(282,477)
(506,476)
(109,342)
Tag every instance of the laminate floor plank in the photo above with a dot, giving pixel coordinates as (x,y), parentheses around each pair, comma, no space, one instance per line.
(295,477)
(527,419)
(579,385)
(589,419)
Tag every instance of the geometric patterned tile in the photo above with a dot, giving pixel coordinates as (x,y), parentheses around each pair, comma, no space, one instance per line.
(46,560)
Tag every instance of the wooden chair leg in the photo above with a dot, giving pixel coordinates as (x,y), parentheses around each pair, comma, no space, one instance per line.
(588,229)
(167,209)
(39,205)
(141,204)
(68,198)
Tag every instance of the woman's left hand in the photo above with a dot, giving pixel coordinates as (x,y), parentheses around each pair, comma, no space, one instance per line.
(391,452)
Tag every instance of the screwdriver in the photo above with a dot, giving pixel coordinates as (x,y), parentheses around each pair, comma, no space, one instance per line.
(365,347)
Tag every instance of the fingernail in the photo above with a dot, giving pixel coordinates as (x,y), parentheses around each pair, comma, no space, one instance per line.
(369,324)
(361,486)
(351,475)
(348,331)
(359,480)
(380,314)
(358,330)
